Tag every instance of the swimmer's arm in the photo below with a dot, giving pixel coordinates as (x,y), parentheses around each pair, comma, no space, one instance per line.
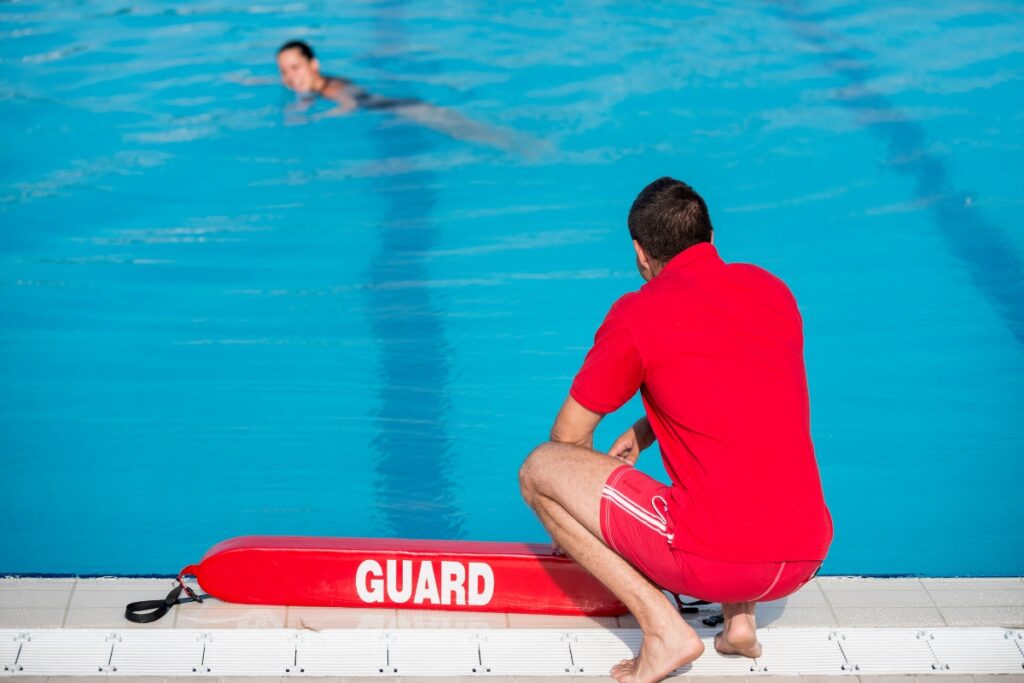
(338,93)
(575,424)
(300,105)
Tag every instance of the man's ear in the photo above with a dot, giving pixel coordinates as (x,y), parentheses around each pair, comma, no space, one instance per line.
(643,262)
(315,63)
(642,259)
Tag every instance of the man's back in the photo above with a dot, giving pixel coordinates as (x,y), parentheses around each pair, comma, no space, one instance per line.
(720,349)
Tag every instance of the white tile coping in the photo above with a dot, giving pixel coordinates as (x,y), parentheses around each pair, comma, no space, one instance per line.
(491,652)
(833,626)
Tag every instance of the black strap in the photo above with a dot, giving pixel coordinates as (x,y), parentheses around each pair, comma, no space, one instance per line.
(713,620)
(694,608)
(688,607)
(146,611)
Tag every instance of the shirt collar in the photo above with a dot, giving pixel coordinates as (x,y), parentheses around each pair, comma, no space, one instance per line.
(698,252)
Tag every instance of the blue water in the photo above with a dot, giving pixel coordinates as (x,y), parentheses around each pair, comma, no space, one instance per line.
(221,316)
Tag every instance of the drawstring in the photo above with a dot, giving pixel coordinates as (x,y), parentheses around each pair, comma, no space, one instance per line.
(147,611)
(662,514)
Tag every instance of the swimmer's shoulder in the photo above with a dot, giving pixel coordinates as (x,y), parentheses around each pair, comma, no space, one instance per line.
(334,86)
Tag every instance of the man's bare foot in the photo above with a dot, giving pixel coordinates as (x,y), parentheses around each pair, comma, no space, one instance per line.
(659,656)
(739,638)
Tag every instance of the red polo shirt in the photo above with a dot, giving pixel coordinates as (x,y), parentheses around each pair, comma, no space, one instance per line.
(716,351)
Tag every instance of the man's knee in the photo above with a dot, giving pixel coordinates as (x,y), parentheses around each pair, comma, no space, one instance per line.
(530,472)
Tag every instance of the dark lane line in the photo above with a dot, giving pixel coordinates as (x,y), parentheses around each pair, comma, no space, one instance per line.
(414,451)
(991,259)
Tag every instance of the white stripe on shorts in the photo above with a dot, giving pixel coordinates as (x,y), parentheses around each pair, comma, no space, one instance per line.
(636,512)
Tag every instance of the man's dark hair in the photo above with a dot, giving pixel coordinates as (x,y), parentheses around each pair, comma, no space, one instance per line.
(668,217)
(302,47)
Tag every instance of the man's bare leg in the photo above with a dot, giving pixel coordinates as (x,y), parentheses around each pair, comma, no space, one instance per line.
(739,630)
(563,484)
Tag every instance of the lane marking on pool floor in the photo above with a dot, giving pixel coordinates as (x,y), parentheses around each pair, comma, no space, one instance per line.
(497,652)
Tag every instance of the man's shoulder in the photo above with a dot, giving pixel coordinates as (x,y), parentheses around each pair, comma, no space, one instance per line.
(762,278)
(626,304)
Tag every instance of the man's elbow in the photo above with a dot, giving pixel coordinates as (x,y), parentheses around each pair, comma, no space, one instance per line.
(559,435)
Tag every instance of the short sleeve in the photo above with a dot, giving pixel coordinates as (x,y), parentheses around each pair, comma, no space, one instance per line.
(612,372)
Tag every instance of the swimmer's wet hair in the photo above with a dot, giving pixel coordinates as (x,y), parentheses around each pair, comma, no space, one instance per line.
(667,217)
(302,47)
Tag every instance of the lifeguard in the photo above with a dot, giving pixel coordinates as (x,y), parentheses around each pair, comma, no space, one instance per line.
(716,351)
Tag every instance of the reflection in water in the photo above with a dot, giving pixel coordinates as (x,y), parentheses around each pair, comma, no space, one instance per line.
(414,451)
(990,257)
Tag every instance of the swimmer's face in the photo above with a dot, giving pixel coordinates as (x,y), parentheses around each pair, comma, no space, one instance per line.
(297,72)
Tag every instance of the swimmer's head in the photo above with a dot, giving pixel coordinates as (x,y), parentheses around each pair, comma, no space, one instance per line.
(300,70)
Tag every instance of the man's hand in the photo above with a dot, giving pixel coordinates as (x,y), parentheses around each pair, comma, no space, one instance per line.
(626,447)
(635,439)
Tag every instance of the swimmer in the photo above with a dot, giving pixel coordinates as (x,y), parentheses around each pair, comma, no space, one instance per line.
(300,73)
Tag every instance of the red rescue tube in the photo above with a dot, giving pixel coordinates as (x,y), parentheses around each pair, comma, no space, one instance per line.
(362,572)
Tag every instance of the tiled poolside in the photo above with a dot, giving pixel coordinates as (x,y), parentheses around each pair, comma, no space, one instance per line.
(848,627)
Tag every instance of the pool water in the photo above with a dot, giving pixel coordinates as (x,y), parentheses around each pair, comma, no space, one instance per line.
(221,315)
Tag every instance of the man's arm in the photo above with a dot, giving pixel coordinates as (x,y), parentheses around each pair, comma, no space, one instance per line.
(575,424)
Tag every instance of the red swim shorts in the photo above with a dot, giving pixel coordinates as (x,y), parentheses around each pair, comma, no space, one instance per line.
(637,523)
